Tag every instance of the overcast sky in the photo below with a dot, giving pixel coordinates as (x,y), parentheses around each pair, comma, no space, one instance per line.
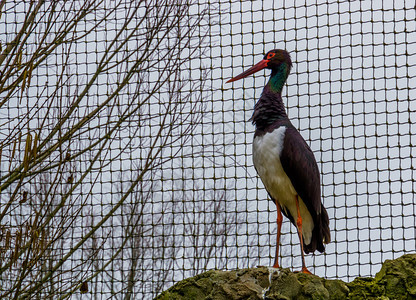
(351,94)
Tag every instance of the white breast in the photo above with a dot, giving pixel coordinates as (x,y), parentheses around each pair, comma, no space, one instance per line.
(266,159)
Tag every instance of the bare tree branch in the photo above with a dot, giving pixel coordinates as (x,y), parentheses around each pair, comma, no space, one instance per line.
(59,147)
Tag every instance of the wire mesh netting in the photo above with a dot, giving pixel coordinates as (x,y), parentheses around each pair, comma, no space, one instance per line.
(126,161)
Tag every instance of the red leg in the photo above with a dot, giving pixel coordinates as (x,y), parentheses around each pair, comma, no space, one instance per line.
(279,228)
(299,224)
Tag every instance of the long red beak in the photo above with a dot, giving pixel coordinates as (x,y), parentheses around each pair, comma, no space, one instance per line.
(257,67)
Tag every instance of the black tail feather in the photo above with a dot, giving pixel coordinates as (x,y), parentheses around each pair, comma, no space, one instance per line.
(320,233)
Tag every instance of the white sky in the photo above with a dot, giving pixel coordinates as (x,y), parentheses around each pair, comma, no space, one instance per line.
(351,94)
(351,97)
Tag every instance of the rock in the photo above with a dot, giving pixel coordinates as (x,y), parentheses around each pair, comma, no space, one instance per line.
(396,280)
(239,284)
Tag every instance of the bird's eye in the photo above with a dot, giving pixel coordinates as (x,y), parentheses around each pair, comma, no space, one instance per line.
(270,55)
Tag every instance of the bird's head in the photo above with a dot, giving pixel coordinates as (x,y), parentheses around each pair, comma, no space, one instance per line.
(275,60)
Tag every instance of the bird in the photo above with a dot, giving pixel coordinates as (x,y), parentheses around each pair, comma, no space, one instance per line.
(285,162)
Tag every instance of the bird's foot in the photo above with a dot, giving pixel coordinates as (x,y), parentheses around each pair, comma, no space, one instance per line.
(276,266)
(304,271)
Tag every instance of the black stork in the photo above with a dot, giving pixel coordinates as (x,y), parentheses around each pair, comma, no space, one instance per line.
(284,161)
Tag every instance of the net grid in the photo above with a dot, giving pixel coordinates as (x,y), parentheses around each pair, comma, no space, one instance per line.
(126,160)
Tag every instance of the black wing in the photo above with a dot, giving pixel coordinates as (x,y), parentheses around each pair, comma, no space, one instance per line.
(300,165)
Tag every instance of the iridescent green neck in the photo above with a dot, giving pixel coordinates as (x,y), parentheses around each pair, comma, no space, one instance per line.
(278,78)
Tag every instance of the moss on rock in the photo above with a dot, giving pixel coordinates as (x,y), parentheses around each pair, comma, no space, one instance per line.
(239,284)
(396,280)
